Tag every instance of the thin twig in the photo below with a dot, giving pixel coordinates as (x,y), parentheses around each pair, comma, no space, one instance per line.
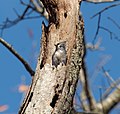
(8,23)
(40,8)
(111,33)
(100,89)
(25,11)
(99,20)
(98,26)
(114,22)
(25,15)
(100,1)
(30,6)
(109,77)
(105,9)
(10,48)
(112,86)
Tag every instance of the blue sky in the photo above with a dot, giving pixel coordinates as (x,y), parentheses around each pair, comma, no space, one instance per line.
(12,71)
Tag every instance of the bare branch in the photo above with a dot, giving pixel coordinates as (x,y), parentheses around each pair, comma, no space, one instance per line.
(33,6)
(25,15)
(101,101)
(98,26)
(83,112)
(112,86)
(111,33)
(99,21)
(10,48)
(105,9)
(114,22)
(95,46)
(86,93)
(111,101)
(107,75)
(40,8)
(114,83)
(100,1)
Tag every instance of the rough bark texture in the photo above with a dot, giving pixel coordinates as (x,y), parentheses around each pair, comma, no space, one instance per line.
(53,89)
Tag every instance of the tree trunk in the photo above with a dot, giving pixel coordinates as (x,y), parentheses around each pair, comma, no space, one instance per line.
(52,89)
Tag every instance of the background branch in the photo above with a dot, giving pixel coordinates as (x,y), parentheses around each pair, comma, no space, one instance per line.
(114,22)
(86,93)
(112,86)
(99,20)
(100,1)
(105,9)
(111,101)
(10,48)
(40,8)
(30,8)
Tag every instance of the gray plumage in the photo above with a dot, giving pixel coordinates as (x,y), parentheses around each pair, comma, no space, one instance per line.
(59,56)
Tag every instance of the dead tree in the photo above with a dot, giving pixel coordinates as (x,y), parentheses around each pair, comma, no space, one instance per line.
(53,86)
(53,89)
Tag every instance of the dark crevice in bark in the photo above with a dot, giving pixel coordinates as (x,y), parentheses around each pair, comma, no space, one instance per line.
(65,15)
(41,65)
(45,41)
(30,96)
(52,10)
(23,107)
(34,105)
(54,100)
(69,83)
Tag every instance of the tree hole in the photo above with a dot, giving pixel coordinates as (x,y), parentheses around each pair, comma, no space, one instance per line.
(65,15)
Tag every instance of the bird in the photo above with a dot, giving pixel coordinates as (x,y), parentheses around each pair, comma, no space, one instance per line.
(59,56)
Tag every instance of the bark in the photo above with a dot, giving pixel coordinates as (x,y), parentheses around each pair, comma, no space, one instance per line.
(53,89)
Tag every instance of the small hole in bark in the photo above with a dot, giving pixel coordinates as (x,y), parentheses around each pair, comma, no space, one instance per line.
(54,100)
(74,46)
(33,105)
(57,86)
(65,15)
(41,65)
